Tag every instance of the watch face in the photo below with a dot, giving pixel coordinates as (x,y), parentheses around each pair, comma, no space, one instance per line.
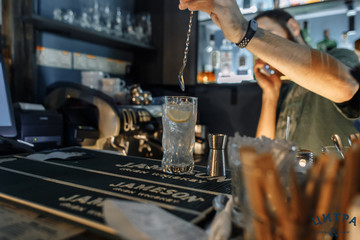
(253,25)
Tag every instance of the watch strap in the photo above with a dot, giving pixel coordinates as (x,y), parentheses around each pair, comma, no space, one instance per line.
(251,30)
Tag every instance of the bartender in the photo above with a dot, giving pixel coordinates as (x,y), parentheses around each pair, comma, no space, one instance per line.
(323,97)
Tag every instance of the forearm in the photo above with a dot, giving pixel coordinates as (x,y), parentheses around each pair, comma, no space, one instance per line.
(314,70)
(267,121)
(311,69)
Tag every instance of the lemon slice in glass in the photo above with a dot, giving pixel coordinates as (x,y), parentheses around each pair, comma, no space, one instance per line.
(179,115)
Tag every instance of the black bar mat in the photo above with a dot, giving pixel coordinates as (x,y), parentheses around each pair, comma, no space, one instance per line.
(74,203)
(77,186)
(133,189)
(149,169)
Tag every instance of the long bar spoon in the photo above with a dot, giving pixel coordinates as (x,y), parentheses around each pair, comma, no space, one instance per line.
(181,75)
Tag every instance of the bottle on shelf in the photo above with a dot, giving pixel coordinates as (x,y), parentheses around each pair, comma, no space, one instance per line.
(206,75)
(306,35)
(211,63)
(244,63)
(226,59)
(345,41)
(326,44)
(214,60)
(262,5)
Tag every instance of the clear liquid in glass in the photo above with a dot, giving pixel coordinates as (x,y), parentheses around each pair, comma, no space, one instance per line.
(179,116)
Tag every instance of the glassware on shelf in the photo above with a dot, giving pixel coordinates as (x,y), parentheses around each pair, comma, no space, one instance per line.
(107,18)
(57,14)
(139,27)
(84,21)
(110,20)
(149,27)
(118,26)
(129,26)
(96,17)
(90,14)
(145,23)
(68,16)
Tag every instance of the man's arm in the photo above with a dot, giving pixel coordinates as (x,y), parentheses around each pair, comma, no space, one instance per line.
(270,85)
(311,69)
(267,121)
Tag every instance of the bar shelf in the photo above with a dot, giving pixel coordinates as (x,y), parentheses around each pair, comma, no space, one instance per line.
(80,33)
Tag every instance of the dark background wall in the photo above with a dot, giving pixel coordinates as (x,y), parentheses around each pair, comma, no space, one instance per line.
(222,108)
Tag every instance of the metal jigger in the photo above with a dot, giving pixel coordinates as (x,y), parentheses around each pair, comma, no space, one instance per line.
(216,162)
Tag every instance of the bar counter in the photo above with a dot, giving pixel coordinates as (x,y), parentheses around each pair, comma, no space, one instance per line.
(63,198)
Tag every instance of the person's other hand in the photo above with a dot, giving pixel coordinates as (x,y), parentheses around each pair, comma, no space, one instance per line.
(270,83)
(224,13)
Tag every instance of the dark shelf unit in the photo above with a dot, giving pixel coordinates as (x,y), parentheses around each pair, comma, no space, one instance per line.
(77,32)
(155,63)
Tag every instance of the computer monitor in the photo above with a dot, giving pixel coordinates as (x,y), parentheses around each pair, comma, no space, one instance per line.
(7,120)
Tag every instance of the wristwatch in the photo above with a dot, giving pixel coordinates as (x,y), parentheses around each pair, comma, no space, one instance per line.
(249,34)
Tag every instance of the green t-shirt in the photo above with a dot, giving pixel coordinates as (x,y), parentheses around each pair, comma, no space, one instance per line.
(313,119)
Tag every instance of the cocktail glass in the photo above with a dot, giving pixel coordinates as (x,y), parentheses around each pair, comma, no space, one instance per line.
(179,114)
